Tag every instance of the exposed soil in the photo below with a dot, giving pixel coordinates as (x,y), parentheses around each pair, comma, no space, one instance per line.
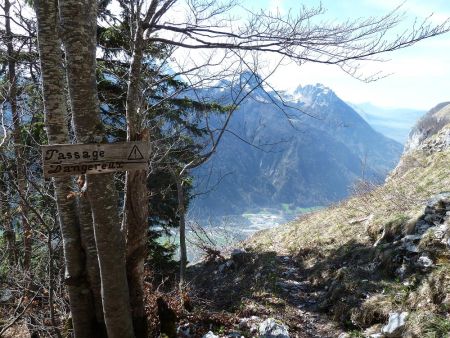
(261,285)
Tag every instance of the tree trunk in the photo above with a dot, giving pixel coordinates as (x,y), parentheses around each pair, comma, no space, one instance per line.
(5,217)
(81,305)
(92,268)
(136,219)
(182,216)
(78,19)
(135,213)
(18,148)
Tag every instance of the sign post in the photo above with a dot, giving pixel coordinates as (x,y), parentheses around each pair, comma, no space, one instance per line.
(98,158)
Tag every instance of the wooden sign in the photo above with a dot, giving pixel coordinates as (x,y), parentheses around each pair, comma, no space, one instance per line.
(98,158)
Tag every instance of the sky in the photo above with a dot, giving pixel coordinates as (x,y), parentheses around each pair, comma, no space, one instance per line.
(418,76)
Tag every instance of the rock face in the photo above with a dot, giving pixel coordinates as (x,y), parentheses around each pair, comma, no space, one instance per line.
(430,124)
(396,324)
(414,252)
(270,328)
(430,135)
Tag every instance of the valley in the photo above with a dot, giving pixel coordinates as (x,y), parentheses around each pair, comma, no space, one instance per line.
(305,149)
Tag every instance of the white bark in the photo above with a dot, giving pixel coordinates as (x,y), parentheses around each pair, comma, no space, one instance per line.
(81,306)
(78,20)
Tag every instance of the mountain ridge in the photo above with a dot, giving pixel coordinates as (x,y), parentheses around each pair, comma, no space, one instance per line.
(313,150)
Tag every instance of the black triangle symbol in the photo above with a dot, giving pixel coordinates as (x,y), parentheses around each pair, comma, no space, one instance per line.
(135,154)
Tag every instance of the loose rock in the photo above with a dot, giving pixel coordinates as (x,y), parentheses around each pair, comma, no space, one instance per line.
(270,328)
(396,324)
(424,262)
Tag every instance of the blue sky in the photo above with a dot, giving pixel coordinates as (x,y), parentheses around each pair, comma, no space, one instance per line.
(420,75)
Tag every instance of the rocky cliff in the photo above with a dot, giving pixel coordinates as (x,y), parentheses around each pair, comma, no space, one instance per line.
(430,124)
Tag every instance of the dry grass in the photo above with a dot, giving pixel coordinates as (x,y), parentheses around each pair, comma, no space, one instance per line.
(327,240)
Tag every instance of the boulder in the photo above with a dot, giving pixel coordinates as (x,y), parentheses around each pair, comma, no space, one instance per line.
(270,328)
(396,324)
(412,238)
(410,247)
(251,324)
(210,334)
(439,199)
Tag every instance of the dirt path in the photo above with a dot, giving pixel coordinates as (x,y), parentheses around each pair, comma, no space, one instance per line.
(263,285)
(304,300)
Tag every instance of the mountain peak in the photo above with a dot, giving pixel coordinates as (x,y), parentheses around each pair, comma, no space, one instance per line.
(317,90)
(251,79)
(310,94)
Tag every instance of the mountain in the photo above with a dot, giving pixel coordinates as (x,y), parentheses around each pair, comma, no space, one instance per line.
(304,149)
(394,123)
(380,255)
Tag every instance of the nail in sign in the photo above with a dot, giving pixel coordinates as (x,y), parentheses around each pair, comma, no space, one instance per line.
(99,158)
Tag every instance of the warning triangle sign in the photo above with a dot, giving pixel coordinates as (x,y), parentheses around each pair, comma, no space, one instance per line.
(135,154)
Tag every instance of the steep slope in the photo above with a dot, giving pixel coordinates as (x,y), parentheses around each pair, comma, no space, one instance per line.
(306,150)
(428,125)
(384,253)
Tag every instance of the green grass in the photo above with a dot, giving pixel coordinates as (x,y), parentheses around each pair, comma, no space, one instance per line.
(437,327)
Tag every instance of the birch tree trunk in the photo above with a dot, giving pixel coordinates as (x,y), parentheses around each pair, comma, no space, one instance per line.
(135,213)
(18,148)
(81,305)
(78,20)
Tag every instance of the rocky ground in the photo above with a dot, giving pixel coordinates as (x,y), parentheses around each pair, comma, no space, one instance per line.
(339,295)
(261,288)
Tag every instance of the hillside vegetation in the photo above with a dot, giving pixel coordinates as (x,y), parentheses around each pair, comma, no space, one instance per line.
(385,250)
